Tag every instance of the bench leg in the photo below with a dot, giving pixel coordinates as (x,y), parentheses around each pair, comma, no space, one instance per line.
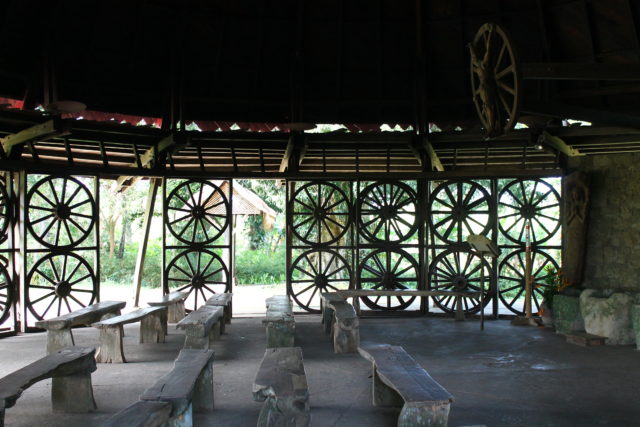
(228,313)
(176,312)
(203,393)
(197,342)
(214,334)
(280,334)
(151,329)
(459,310)
(59,339)
(383,395)
(110,350)
(222,324)
(284,413)
(108,316)
(164,320)
(346,336)
(72,393)
(327,319)
(423,415)
(1,417)
(183,419)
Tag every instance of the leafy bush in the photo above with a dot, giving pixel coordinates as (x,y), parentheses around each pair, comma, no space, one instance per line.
(261,267)
(120,270)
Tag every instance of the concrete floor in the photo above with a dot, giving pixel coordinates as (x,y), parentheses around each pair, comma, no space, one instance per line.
(504,376)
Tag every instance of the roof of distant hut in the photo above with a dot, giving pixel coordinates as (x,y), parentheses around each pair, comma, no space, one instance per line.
(245,202)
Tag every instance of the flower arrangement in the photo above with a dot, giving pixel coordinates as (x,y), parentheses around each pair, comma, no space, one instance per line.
(554,283)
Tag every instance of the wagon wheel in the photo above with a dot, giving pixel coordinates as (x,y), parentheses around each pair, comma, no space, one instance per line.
(197,212)
(386,269)
(4,211)
(59,284)
(200,273)
(61,212)
(315,272)
(511,281)
(459,209)
(321,213)
(495,79)
(387,212)
(534,201)
(6,291)
(455,270)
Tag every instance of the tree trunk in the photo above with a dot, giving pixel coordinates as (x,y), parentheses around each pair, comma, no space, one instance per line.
(123,237)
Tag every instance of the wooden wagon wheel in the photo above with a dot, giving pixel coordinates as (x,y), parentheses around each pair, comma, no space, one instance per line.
(60,283)
(314,272)
(200,273)
(321,213)
(6,291)
(529,200)
(511,280)
(61,212)
(455,270)
(386,269)
(197,212)
(387,212)
(4,211)
(459,209)
(495,79)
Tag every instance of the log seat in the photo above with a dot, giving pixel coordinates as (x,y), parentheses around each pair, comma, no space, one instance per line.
(175,307)
(280,323)
(223,300)
(202,327)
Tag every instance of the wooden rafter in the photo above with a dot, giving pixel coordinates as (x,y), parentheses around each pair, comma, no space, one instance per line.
(559,145)
(42,132)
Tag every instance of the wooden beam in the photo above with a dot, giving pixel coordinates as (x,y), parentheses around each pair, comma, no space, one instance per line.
(42,131)
(559,145)
(154,183)
(426,155)
(295,152)
(148,160)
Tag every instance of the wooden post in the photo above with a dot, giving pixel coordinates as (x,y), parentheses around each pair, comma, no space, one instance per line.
(527,274)
(142,249)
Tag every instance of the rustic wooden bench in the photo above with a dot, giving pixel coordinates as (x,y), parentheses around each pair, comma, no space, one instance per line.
(141,414)
(188,387)
(280,324)
(223,300)
(70,370)
(175,307)
(151,332)
(202,326)
(398,380)
(346,328)
(326,298)
(282,384)
(58,329)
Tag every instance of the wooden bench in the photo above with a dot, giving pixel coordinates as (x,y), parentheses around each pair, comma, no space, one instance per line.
(188,387)
(70,370)
(346,328)
(202,326)
(280,323)
(151,332)
(223,300)
(398,380)
(175,307)
(58,329)
(141,414)
(282,384)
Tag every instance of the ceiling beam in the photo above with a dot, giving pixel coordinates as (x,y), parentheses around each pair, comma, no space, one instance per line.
(40,132)
(559,145)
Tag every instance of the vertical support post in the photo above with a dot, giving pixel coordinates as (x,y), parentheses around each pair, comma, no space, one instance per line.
(232,270)
(142,249)
(290,190)
(527,274)
(165,284)
(12,180)
(22,254)
(96,225)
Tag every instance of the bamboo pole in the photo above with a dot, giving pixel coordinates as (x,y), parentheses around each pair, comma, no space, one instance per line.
(142,249)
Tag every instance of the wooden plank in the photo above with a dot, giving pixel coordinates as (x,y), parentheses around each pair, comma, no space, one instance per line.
(178,385)
(281,374)
(84,316)
(398,370)
(68,361)
(169,299)
(202,319)
(131,317)
(141,414)
(220,299)
(45,130)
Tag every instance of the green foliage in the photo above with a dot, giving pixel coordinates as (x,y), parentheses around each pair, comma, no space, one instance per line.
(261,267)
(113,269)
(555,282)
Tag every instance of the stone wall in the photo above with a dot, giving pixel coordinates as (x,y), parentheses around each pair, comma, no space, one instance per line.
(613,241)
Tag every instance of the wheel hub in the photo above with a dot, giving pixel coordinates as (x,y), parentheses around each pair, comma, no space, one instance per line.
(458,213)
(528,211)
(459,282)
(63,289)
(388,280)
(319,214)
(197,212)
(62,211)
(197,281)
(388,212)
(321,281)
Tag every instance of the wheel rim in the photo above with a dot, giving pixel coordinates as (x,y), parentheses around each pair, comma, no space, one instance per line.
(386,269)
(200,273)
(321,213)
(387,212)
(62,283)
(511,281)
(455,270)
(314,272)
(4,211)
(6,291)
(459,209)
(534,201)
(197,212)
(68,210)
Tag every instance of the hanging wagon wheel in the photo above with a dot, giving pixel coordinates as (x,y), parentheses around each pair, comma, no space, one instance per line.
(4,211)
(495,79)
(314,272)
(200,273)
(197,212)
(511,281)
(455,270)
(321,213)
(459,209)
(61,212)
(534,201)
(59,284)
(387,212)
(6,291)
(386,269)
